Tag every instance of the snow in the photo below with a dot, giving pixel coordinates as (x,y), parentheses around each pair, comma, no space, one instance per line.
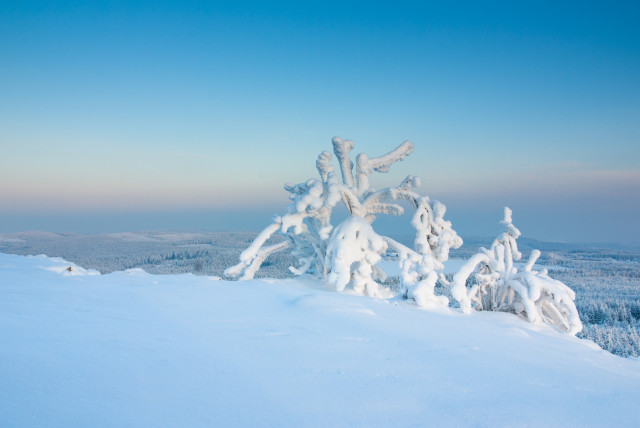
(352,253)
(133,349)
(392,267)
(498,285)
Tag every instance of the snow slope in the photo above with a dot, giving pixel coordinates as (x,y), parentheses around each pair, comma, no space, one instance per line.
(133,349)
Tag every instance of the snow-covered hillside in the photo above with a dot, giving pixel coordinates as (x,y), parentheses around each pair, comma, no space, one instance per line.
(133,349)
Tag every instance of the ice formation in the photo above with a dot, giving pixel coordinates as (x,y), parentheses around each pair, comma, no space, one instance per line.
(346,256)
(496,284)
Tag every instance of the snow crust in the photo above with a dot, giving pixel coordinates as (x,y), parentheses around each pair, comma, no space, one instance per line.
(133,349)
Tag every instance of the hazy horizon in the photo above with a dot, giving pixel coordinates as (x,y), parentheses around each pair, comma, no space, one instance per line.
(116,116)
(477,225)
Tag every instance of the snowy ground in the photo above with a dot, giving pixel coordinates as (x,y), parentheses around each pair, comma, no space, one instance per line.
(133,349)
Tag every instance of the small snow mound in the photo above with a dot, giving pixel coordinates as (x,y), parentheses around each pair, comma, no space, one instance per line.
(136,272)
(65,268)
(590,344)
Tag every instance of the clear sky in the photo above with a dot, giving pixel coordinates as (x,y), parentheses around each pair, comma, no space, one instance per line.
(143,115)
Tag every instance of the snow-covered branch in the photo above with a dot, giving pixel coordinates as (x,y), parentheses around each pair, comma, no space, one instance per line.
(498,285)
(341,148)
(366,165)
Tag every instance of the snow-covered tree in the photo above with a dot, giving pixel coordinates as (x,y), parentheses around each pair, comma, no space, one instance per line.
(497,284)
(346,256)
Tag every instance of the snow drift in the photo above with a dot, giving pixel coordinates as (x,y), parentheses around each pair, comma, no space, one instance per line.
(133,349)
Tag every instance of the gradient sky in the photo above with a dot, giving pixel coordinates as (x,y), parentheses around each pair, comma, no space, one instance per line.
(144,115)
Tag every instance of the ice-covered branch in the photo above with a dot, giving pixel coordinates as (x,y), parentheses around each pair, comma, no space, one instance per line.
(403,251)
(341,148)
(434,234)
(351,201)
(251,259)
(382,208)
(390,194)
(254,263)
(323,164)
(497,284)
(378,202)
(419,275)
(252,249)
(459,289)
(533,257)
(366,165)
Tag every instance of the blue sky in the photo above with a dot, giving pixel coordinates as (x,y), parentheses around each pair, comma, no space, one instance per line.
(133,115)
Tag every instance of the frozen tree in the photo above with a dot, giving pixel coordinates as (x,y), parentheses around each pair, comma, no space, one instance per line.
(347,255)
(496,284)
(352,254)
